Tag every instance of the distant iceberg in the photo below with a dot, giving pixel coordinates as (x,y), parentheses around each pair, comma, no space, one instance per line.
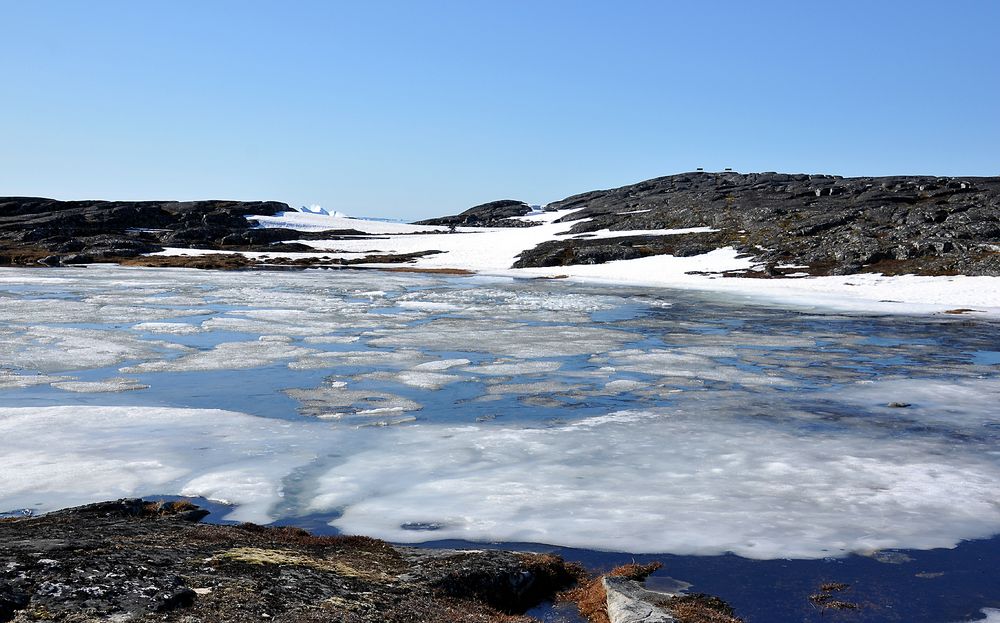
(313,209)
(318,209)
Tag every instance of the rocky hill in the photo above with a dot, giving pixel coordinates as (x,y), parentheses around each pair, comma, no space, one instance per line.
(789,224)
(37,231)
(819,224)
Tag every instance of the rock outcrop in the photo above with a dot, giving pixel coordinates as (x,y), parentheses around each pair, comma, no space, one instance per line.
(51,232)
(816,224)
(146,561)
(494,214)
(788,224)
(629,602)
(36,231)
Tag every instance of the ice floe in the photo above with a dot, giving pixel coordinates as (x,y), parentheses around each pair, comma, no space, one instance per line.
(225,356)
(358,358)
(55,348)
(116,384)
(174,328)
(515,367)
(12,380)
(503,338)
(334,401)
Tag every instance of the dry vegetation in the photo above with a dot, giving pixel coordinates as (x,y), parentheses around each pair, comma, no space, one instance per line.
(590,597)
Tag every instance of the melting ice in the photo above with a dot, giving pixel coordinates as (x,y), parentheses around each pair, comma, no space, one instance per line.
(488,409)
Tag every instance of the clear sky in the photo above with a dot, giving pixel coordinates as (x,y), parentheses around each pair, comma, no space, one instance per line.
(415,109)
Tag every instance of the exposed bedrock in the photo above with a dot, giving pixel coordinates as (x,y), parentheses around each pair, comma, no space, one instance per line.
(36,230)
(827,224)
(815,224)
(143,561)
(493,214)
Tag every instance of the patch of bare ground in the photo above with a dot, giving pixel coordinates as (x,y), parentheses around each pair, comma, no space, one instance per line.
(212,261)
(237,261)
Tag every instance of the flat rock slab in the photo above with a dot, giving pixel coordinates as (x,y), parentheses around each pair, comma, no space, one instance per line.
(629,602)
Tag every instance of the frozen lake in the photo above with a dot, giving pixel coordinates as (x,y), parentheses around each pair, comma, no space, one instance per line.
(416,407)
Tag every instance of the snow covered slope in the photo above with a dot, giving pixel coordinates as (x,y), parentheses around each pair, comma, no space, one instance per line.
(492,251)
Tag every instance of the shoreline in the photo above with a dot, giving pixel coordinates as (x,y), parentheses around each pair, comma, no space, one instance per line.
(865,294)
(907,583)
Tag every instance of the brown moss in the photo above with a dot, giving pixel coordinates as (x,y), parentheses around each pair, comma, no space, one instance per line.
(824,600)
(23,256)
(163,509)
(297,536)
(213,261)
(836,604)
(700,608)
(635,571)
(590,599)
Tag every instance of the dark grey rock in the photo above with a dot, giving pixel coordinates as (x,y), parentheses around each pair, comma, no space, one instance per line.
(832,225)
(629,602)
(38,230)
(493,214)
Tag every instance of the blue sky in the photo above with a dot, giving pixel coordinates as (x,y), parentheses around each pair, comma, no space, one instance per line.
(415,109)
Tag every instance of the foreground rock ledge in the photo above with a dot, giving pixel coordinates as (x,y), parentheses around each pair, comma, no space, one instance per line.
(133,560)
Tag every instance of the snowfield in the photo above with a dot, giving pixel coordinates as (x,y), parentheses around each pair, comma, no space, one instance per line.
(492,251)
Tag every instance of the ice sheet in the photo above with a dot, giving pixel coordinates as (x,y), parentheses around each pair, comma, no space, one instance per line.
(60,456)
(644,481)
